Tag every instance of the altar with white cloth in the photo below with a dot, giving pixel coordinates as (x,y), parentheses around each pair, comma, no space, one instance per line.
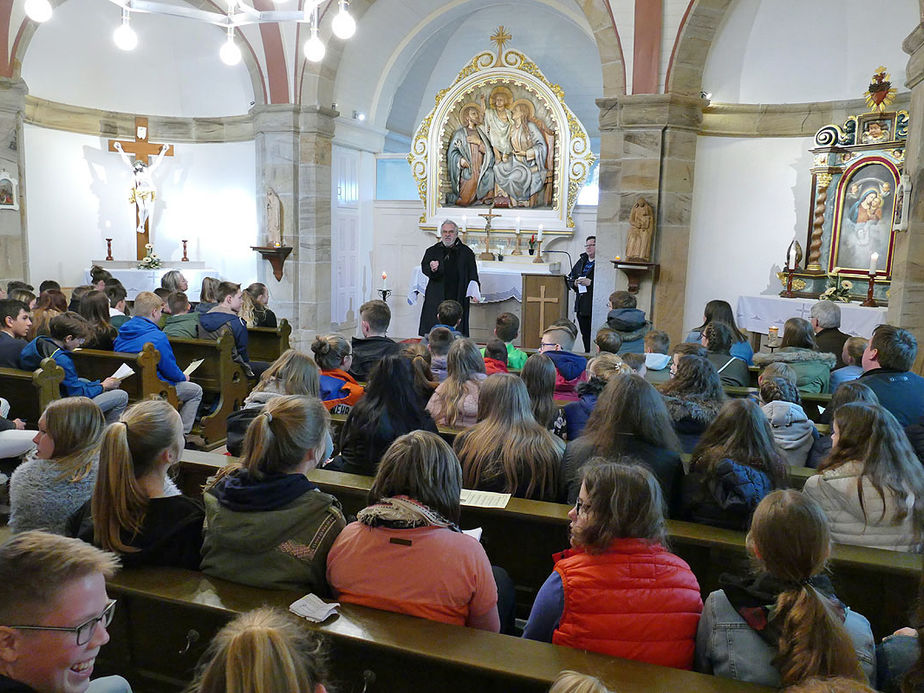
(499,281)
(137,280)
(757,313)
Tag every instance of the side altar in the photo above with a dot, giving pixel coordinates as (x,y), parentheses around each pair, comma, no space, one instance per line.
(136,280)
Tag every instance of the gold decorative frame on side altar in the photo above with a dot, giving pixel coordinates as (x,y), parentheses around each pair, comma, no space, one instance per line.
(533,154)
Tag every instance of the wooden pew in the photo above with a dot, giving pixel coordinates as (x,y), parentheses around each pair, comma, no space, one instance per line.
(268,343)
(166,618)
(219,376)
(95,364)
(521,538)
(29,392)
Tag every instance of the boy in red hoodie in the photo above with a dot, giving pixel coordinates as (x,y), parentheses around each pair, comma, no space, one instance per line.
(557,343)
(495,357)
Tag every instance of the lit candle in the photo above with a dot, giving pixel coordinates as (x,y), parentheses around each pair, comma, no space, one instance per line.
(873,262)
(518,226)
(540,233)
(384,280)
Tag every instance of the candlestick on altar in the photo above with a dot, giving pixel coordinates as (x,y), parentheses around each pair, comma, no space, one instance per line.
(385,294)
(538,258)
(108,250)
(788,293)
(517,251)
(184,258)
(870,302)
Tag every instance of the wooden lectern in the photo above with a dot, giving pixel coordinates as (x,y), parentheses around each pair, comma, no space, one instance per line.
(545,300)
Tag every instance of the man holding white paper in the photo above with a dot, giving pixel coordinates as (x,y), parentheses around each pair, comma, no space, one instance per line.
(143,329)
(452,273)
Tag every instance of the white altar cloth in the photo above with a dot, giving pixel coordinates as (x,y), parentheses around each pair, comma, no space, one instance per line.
(499,280)
(137,280)
(757,313)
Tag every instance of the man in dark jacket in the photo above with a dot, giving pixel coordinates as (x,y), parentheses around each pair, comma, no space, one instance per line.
(826,318)
(628,321)
(450,267)
(374,318)
(14,326)
(581,280)
(140,330)
(887,365)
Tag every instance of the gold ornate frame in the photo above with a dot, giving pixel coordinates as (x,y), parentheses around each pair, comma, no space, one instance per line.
(573,156)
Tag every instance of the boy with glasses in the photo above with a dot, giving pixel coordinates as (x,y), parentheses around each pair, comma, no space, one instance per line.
(54,612)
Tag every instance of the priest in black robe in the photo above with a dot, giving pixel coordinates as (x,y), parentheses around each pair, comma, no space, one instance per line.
(450,267)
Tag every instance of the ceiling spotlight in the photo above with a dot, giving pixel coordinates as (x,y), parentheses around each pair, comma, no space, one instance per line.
(230,54)
(314,47)
(124,36)
(38,10)
(344,25)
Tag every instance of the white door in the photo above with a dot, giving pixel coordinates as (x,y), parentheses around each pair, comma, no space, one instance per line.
(344,235)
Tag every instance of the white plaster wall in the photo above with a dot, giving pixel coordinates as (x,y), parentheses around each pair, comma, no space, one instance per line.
(77,195)
(175,70)
(744,217)
(792,51)
(399,245)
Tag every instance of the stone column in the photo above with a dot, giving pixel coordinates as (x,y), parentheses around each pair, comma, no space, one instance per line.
(14,250)
(906,300)
(293,152)
(648,146)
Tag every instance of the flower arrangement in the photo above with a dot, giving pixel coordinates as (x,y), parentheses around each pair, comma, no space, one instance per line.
(532,244)
(150,260)
(837,290)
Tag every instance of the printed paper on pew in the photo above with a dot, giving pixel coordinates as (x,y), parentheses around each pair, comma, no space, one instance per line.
(193,366)
(124,371)
(484,499)
(313,608)
(473,533)
(473,291)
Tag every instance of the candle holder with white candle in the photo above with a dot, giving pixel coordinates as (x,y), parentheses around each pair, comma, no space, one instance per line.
(517,251)
(385,291)
(871,302)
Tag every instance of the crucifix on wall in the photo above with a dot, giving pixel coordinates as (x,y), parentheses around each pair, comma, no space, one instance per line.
(143,193)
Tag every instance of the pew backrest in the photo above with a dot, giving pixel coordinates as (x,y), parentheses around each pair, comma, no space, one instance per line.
(95,364)
(268,343)
(29,392)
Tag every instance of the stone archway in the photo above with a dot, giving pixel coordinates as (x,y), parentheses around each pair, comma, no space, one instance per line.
(685,72)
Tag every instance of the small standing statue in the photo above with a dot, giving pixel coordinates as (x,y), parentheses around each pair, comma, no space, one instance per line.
(143,190)
(273,218)
(641,231)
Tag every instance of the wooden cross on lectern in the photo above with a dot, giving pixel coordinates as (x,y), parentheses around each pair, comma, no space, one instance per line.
(142,151)
(541,300)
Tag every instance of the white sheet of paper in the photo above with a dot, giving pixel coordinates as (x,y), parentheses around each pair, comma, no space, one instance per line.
(582,289)
(473,533)
(193,366)
(473,291)
(484,499)
(123,372)
(313,608)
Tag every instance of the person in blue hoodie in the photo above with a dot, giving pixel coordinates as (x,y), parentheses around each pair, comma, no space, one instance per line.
(225,315)
(140,330)
(628,321)
(557,343)
(67,332)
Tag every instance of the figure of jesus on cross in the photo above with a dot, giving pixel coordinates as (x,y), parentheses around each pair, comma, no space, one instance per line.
(143,192)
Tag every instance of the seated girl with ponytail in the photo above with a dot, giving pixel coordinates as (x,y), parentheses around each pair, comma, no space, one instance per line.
(136,511)
(339,389)
(784,625)
(266,524)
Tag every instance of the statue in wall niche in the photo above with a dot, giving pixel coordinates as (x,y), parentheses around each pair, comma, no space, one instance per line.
(641,232)
(273,218)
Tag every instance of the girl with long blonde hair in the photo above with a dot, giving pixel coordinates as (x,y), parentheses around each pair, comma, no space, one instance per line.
(267,525)
(262,651)
(48,488)
(784,624)
(507,450)
(136,510)
(455,401)
(871,486)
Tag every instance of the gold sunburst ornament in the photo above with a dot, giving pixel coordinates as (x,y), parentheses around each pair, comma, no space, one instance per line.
(880,93)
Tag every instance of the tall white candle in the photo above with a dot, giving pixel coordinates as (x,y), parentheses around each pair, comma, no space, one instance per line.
(464,224)
(518,226)
(539,238)
(384,280)
(873,262)
(792,257)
